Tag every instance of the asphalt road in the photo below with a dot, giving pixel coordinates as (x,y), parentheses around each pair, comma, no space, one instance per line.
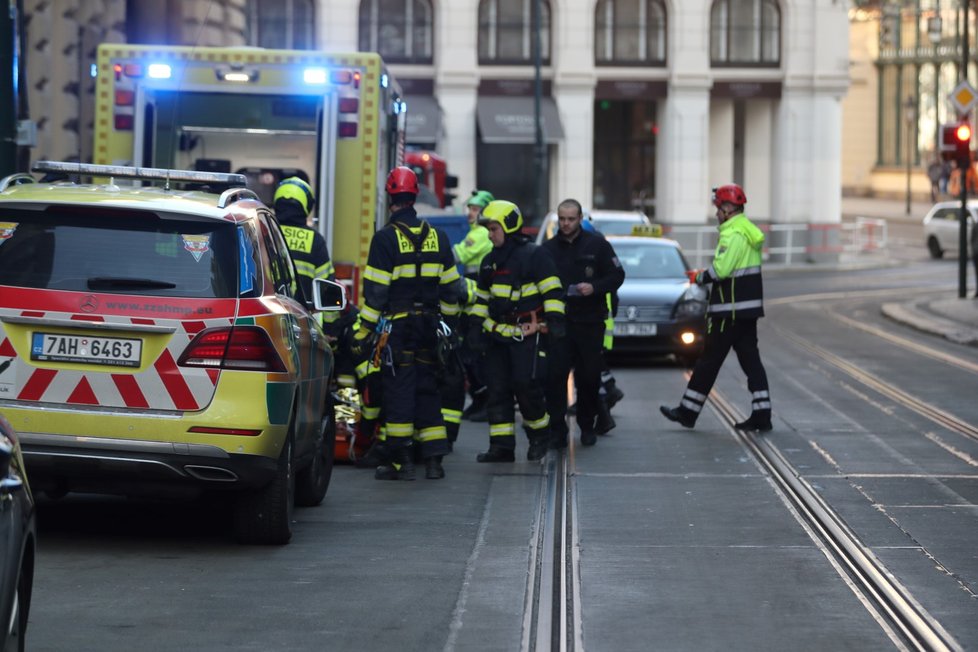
(675,539)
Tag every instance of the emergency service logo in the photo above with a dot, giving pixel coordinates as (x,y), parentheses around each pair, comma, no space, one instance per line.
(197,245)
(7,230)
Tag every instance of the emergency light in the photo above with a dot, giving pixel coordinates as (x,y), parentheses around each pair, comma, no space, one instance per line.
(159,71)
(314,76)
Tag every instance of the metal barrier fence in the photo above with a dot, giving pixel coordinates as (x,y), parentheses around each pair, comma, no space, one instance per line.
(790,244)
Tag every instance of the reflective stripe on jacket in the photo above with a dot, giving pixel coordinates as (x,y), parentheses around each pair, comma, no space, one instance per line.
(735,273)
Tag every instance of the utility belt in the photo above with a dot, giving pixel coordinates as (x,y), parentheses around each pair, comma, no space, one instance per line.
(401,309)
(530,322)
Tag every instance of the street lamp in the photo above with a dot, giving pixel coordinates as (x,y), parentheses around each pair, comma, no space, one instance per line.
(910,112)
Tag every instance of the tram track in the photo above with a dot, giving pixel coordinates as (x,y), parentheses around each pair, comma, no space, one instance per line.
(905,620)
(552,616)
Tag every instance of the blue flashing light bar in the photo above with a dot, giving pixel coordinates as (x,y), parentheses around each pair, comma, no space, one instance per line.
(315,76)
(159,71)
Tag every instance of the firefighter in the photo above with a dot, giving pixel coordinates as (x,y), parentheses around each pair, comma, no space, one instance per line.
(409,288)
(736,303)
(469,253)
(589,273)
(518,303)
(294,201)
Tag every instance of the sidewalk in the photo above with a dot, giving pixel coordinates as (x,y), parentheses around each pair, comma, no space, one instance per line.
(943,314)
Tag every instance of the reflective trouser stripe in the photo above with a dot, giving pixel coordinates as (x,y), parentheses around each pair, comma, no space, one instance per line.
(538,424)
(502,430)
(451,416)
(400,430)
(431,434)
(693,401)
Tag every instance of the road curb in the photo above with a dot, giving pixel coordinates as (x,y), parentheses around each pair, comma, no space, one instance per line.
(911,314)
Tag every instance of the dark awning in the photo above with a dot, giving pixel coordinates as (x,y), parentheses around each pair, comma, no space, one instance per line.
(423,119)
(510,120)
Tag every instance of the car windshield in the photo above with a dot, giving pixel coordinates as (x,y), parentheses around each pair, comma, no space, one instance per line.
(615,225)
(648,261)
(118,251)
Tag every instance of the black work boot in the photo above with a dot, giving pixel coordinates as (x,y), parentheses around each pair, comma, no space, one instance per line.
(558,440)
(477,409)
(496,454)
(401,466)
(756,421)
(433,469)
(605,423)
(680,415)
(612,393)
(538,448)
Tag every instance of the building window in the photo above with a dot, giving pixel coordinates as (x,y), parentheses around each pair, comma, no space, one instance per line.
(282,24)
(400,30)
(506,31)
(745,33)
(629,32)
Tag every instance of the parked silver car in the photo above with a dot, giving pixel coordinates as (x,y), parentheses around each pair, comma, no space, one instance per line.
(606,222)
(941,226)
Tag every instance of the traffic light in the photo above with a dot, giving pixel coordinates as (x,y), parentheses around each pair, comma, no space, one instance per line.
(956,142)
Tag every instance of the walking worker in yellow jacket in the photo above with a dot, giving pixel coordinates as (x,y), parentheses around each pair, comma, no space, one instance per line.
(736,303)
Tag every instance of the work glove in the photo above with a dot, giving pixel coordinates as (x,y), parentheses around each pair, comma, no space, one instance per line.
(363,342)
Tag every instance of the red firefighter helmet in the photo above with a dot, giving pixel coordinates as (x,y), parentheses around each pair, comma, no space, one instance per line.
(731,193)
(402,179)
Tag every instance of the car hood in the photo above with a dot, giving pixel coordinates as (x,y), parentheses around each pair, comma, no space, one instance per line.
(650,291)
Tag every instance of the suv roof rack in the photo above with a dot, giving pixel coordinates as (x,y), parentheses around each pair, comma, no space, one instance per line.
(145,174)
(16,180)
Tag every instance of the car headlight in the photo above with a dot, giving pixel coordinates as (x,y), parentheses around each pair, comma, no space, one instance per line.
(692,303)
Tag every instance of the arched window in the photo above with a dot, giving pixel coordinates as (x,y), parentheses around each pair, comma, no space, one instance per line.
(629,32)
(745,33)
(400,30)
(506,31)
(283,24)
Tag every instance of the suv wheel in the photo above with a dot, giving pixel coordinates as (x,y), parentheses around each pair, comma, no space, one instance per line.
(265,515)
(312,482)
(934,247)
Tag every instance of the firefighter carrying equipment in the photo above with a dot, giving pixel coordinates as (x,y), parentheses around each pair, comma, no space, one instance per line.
(411,281)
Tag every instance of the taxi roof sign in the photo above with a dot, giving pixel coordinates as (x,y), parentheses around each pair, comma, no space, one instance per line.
(647,230)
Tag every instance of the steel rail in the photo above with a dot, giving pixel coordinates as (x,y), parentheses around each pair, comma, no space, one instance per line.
(911,621)
(907,400)
(551,616)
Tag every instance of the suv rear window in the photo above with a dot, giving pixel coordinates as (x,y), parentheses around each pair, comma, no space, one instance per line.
(94,249)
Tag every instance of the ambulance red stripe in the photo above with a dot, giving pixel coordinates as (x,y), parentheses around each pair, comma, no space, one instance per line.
(173,380)
(129,390)
(83,394)
(37,384)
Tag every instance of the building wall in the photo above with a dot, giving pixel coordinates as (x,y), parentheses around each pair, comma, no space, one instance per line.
(859,123)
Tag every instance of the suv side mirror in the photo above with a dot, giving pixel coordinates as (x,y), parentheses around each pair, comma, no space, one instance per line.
(328,295)
(451,181)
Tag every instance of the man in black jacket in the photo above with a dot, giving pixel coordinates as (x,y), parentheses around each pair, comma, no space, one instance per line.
(589,270)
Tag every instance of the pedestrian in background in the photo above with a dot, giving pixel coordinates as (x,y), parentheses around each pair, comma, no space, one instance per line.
(934,174)
(589,273)
(518,305)
(736,303)
(409,288)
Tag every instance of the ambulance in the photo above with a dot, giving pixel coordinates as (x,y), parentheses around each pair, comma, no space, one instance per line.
(337,119)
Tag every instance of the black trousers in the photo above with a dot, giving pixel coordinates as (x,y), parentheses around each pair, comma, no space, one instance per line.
(516,369)
(580,350)
(741,336)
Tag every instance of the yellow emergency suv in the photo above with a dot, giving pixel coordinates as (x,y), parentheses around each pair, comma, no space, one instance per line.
(155,342)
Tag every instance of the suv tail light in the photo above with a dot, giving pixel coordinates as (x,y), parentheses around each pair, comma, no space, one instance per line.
(246,348)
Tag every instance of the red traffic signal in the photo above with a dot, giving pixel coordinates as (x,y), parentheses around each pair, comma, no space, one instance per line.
(956,141)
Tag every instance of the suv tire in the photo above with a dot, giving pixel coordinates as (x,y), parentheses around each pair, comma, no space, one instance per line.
(264,516)
(934,247)
(312,482)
